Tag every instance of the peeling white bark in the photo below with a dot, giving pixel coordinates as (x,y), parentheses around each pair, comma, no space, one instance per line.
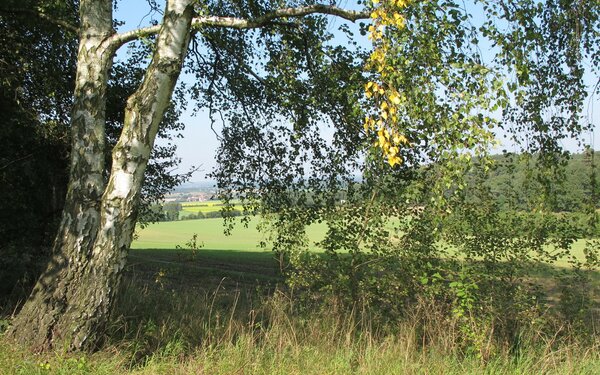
(122,184)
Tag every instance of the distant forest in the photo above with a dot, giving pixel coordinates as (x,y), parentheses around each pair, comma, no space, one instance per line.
(517,182)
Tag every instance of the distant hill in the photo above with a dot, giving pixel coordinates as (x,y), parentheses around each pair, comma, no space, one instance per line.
(196,186)
(516,180)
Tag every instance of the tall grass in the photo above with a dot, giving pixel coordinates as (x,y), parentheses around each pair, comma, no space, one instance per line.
(228,327)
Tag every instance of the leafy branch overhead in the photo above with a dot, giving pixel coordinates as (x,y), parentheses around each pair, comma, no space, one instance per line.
(444,79)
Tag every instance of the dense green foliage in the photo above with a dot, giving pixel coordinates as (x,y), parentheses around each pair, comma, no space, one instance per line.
(36,79)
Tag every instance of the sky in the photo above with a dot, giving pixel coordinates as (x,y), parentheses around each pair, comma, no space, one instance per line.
(197,148)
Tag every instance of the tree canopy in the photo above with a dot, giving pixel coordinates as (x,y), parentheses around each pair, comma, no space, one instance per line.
(445,82)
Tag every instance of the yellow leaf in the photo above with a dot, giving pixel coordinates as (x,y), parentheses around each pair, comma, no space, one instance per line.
(393,160)
(394,98)
(400,139)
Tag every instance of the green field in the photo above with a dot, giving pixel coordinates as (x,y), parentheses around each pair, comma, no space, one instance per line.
(188,208)
(167,235)
(238,258)
(210,233)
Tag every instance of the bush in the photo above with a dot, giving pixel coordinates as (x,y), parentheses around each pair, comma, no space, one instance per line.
(484,267)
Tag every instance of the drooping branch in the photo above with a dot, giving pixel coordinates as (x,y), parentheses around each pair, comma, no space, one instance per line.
(118,40)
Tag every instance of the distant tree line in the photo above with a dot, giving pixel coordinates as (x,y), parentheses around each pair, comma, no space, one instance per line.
(520,189)
(172,211)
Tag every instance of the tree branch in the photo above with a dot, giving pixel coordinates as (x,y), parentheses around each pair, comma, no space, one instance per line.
(43,16)
(243,23)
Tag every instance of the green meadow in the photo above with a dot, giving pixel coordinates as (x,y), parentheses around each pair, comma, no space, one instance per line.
(238,256)
(211,233)
(243,238)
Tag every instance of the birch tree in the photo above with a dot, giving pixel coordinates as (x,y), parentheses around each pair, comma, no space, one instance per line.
(72,299)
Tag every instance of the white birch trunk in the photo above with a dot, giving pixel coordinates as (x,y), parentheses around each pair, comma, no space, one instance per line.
(71,301)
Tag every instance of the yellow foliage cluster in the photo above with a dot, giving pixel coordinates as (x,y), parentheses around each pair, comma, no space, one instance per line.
(389,139)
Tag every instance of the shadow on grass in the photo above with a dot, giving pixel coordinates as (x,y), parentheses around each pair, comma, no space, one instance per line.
(204,266)
(173,301)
